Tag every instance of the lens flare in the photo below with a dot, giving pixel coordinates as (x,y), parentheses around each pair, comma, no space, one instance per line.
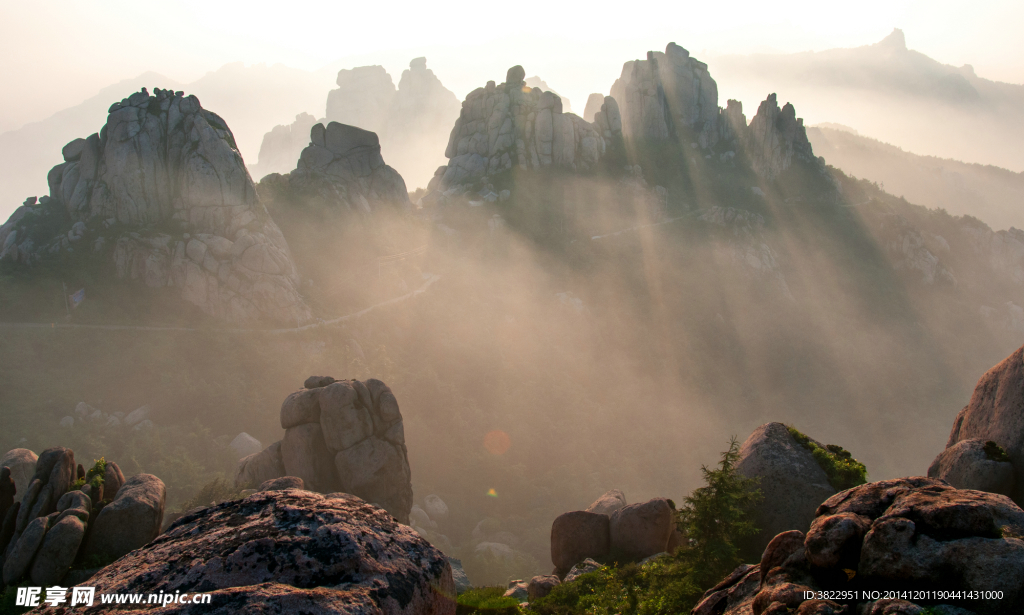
(497,442)
(492,493)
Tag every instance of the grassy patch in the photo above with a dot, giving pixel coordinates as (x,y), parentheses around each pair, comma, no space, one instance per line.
(486,600)
(842,469)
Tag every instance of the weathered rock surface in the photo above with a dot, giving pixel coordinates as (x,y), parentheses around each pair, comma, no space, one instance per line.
(510,124)
(296,550)
(540,586)
(966,465)
(280,484)
(22,463)
(996,412)
(579,535)
(340,435)
(909,533)
(665,93)
(641,530)
(245,445)
(341,169)
(130,521)
(776,138)
(164,160)
(587,565)
(791,481)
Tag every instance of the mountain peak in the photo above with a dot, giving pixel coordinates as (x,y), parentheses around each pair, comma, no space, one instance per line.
(895,41)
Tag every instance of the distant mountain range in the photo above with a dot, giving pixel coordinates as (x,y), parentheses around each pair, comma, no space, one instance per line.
(889,92)
(991,194)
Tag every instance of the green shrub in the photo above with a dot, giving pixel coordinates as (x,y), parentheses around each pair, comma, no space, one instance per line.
(994,452)
(486,600)
(843,471)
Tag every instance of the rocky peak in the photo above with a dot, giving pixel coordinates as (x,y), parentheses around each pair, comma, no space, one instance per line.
(665,93)
(162,161)
(512,124)
(894,42)
(776,137)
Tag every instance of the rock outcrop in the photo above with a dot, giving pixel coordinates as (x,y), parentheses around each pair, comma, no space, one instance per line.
(61,521)
(666,93)
(777,138)
(903,534)
(289,551)
(996,413)
(508,125)
(342,170)
(342,435)
(791,481)
(412,121)
(163,162)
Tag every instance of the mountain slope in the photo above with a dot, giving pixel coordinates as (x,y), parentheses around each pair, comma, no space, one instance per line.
(991,194)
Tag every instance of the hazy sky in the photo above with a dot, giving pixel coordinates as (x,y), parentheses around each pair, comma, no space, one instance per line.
(56,54)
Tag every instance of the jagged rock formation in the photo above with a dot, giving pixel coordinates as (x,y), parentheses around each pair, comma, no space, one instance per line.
(285,552)
(343,435)
(508,124)
(412,121)
(791,481)
(537,82)
(59,522)
(776,137)
(665,93)
(281,147)
(341,168)
(163,162)
(908,533)
(996,413)
(594,102)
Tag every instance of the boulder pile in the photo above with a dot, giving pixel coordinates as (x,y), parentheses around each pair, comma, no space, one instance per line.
(340,435)
(611,530)
(289,551)
(908,534)
(67,517)
(163,162)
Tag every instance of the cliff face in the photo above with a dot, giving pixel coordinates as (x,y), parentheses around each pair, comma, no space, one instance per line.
(164,184)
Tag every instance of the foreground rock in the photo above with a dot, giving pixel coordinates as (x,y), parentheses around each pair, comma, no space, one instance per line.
(904,534)
(290,551)
(342,435)
(130,521)
(996,413)
(163,162)
(791,481)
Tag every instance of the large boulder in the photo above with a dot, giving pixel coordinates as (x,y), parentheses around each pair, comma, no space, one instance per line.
(791,481)
(996,413)
(578,535)
(289,551)
(167,175)
(909,533)
(641,530)
(341,435)
(22,463)
(975,464)
(130,521)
